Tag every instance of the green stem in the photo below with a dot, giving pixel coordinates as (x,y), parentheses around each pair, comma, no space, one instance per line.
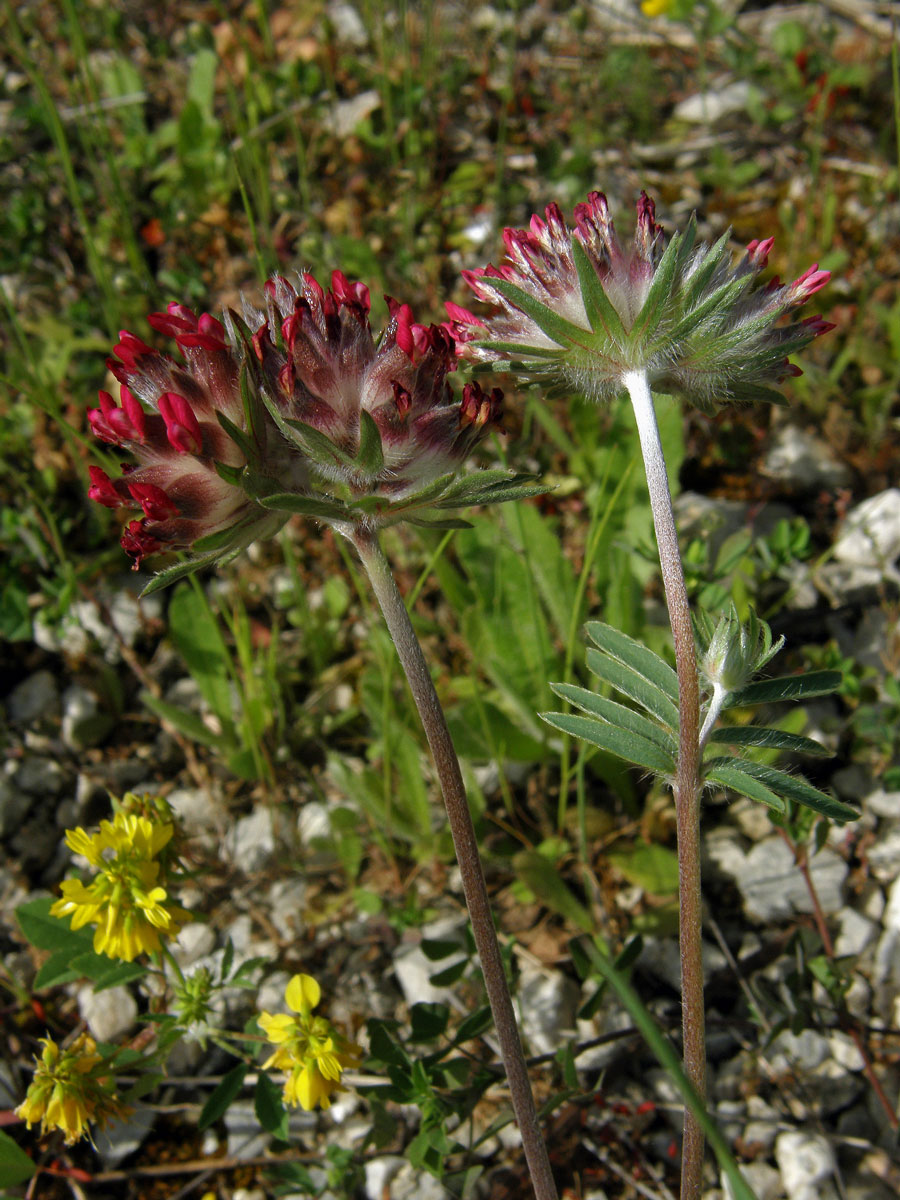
(687,774)
(412,659)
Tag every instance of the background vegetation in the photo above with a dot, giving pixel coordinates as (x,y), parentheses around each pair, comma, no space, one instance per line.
(184,153)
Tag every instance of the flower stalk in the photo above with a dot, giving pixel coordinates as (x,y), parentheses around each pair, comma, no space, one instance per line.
(686,785)
(581,311)
(466,845)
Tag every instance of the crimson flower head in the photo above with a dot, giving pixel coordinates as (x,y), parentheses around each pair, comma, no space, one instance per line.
(298,408)
(579,309)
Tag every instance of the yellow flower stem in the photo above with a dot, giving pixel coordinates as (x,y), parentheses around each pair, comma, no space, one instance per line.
(465,842)
(687,775)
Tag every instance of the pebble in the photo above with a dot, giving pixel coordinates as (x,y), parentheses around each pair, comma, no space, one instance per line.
(803,462)
(121,1138)
(395,1177)
(108,1014)
(764,1181)
(313,822)
(66,637)
(287,900)
(855,933)
(845,1051)
(35,698)
(885,973)
(797,1051)
(347,25)
(194,941)
(195,809)
(762,1126)
(414,969)
(14,806)
(38,849)
(246,1138)
(661,957)
(84,723)
(770,882)
(705,108)
(548,1000)
(883,804)
(806,1162)
(345,115)
(40,776)
(129,614)
(253,841)
(883,856)
(870,534)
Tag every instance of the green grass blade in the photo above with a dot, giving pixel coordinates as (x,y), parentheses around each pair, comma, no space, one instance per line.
(668,1059)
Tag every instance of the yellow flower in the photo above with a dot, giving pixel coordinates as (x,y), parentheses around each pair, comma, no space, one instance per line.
(125,899)
(310,1049)
(70,1088)
(655,8)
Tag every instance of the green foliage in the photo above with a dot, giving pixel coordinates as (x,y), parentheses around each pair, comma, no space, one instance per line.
(71,954)
(15,1165)
(648,738)
(219,1100)
(239,686)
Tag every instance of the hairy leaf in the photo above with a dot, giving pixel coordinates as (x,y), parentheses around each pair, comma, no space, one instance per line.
(634,685)
(630,746)
(774,739)
(635,655)
(787,687)
(616,714)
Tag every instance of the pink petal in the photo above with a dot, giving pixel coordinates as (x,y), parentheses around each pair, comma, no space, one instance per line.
(182,427)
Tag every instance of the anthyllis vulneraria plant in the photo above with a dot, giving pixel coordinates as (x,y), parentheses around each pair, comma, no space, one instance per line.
(310,1049)
(71,1087)
(301,409)
(297,409)
(581,312)
(129,897)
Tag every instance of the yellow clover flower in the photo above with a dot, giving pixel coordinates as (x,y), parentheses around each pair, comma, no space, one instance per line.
(310,1049)
(70,1088)
(126,899)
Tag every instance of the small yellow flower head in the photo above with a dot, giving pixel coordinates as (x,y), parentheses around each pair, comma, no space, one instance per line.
(70,1088)
(126,899)
(655,8)
(310,1049)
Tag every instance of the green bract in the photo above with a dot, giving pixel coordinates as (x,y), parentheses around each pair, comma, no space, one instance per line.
(578,310)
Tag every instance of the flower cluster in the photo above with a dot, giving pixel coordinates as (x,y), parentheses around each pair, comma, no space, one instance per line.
(312,1052)
(70,1088)
(126,899)
(580,310)
(295,409)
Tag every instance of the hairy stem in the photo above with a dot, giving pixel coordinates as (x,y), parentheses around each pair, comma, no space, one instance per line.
(468,857)
(687,773)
